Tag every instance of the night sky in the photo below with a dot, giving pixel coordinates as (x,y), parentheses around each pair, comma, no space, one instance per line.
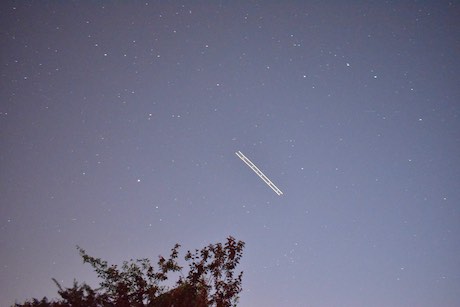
(119,123)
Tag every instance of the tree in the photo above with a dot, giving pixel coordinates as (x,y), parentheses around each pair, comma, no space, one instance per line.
(210,281)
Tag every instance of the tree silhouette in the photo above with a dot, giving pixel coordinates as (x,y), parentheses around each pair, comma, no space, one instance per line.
(210,281)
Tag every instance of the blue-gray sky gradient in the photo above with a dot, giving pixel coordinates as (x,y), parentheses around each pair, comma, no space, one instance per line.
(119,124)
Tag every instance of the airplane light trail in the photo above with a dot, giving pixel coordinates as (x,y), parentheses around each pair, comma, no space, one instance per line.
(259,173)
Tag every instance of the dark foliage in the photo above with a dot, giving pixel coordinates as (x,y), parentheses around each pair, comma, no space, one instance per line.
(210,281)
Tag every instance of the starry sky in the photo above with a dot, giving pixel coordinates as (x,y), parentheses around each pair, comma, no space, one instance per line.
(119,123)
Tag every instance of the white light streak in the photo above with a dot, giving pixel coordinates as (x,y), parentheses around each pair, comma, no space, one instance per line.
(259,173)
